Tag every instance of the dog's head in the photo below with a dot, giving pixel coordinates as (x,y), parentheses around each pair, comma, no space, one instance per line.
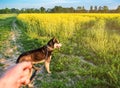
(54,43)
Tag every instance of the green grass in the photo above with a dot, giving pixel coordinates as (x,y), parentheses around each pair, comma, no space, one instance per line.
(71,73)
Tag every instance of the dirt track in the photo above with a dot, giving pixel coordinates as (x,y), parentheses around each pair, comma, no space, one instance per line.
(11,52)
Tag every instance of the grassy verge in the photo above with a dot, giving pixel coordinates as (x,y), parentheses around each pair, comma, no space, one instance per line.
(5,29)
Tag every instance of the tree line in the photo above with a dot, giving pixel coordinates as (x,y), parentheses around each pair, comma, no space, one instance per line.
(60,9)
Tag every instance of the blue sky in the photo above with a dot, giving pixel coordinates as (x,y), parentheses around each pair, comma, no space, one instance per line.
(112,4)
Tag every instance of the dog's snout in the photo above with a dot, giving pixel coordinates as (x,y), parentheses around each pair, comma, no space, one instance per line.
(60,44)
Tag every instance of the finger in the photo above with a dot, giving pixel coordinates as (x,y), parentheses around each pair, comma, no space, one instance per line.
(25,76)
(24,80)
(26,72)
(27,81)
(25,65)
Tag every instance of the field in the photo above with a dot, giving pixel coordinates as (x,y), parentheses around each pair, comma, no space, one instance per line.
(90,52)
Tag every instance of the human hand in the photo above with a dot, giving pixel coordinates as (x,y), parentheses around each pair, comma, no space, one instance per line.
(16,76)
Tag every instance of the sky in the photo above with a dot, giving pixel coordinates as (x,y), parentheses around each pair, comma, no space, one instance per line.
(112,4)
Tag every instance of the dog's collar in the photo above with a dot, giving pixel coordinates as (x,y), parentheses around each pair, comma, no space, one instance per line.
(49,48)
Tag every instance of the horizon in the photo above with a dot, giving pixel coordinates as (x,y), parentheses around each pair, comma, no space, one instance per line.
(19,4)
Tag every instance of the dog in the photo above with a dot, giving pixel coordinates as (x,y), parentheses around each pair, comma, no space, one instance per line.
(40,55)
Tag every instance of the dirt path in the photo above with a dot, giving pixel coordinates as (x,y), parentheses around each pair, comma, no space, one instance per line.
(11,50)
(81,59)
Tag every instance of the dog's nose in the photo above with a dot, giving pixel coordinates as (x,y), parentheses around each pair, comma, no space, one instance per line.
(60,45)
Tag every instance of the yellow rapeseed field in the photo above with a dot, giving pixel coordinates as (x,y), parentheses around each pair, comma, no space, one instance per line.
(57,23)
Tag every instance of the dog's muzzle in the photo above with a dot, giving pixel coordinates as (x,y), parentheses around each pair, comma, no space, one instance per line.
(58,45)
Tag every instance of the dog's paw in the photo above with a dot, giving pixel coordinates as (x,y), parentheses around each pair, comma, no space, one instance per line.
(49,72)
(30,85)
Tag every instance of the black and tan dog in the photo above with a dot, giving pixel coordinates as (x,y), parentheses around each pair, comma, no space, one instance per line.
(40,55)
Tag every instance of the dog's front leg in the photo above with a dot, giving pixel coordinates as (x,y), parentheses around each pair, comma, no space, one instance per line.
(36,68)
(47,64)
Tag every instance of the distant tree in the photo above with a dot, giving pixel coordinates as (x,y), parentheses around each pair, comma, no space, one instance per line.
(83,8)
(91,9)
(105,9)
(37,11)
(118,9)
(58,9)
(32,10)
(100,8)
(22,10)
(95,9)
(7,10)
(28,10)
(49,10)
(13,10)
(42,9)
(79,8)
(71,10)
(2,11)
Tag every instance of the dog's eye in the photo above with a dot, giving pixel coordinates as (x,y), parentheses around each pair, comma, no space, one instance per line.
(57,42)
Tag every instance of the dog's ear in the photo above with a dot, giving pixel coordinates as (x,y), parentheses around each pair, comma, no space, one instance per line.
(54,39)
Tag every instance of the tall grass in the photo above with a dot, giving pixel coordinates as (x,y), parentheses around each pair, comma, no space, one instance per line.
(96,37)
(5,30)
(101,46)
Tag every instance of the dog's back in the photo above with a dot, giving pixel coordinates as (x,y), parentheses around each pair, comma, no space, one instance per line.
(33,55)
